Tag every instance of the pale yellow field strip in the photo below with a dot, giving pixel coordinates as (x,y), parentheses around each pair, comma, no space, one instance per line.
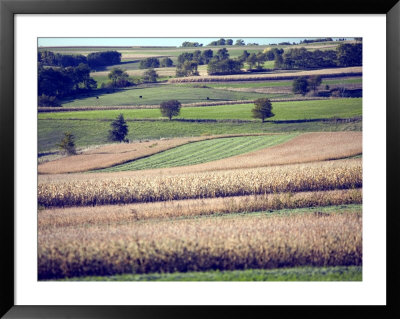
(269,76)
(121,214)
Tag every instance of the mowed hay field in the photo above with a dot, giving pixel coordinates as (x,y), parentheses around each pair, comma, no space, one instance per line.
(308,147)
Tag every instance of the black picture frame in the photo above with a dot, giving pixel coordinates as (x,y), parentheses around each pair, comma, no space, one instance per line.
(8,8)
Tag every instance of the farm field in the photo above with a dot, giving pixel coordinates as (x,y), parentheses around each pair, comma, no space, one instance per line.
(284,111)
(90,133)
(224,243)
(204,151)
(215,193)
(281,83)
(155,94)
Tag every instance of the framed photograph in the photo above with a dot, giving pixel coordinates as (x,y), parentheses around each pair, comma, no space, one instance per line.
(159,157)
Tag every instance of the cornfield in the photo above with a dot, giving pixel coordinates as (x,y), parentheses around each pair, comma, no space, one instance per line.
(290,178)
(56,218)
(247,242)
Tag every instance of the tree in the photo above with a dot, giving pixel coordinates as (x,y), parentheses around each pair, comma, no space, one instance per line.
(67,143)
(149,63)
(118,77)
(239,42)
(226,66)
(150,76)
(349,54)
(314,81)
(300,85)
(197,57)
(119,129)
(207,55)
(262,109)
(170,108)
(185,56)
(188,68)
(97,59)
(229,41)
(166,62)
(251,60)
(45,100)
(242,58)
(222,54)
(261,58)
(191,44)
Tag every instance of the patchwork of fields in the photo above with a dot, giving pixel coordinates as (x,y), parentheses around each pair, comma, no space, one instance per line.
(213,194)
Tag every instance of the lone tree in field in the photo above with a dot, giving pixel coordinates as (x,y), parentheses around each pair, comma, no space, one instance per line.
(170,108)
(67,143)
(300,85)
(262,109)
(119,129)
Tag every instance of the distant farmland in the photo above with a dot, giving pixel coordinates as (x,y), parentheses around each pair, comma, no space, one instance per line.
(296,110)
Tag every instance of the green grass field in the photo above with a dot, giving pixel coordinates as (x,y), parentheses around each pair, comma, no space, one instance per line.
(95,132)
(297,110)
(259,84)
(203,151)
(158,93)
(339,273)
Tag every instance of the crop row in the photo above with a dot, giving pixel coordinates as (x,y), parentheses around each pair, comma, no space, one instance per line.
(290,178)
(201,152)
(121,214)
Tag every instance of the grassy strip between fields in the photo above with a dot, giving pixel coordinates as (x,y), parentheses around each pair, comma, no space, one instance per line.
(201,152)
(294,110)
(338,273)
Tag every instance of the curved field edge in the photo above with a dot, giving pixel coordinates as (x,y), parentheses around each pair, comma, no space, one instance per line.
(201,152)
(103,156)
(259,241)
(338,273)
(90,132)
(304,148)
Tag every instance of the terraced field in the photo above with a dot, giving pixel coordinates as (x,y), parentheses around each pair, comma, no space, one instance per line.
(201,152)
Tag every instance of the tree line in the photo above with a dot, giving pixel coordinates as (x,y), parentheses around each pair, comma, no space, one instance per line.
(345,55)
(220,63)
(61,75)
(93,60)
